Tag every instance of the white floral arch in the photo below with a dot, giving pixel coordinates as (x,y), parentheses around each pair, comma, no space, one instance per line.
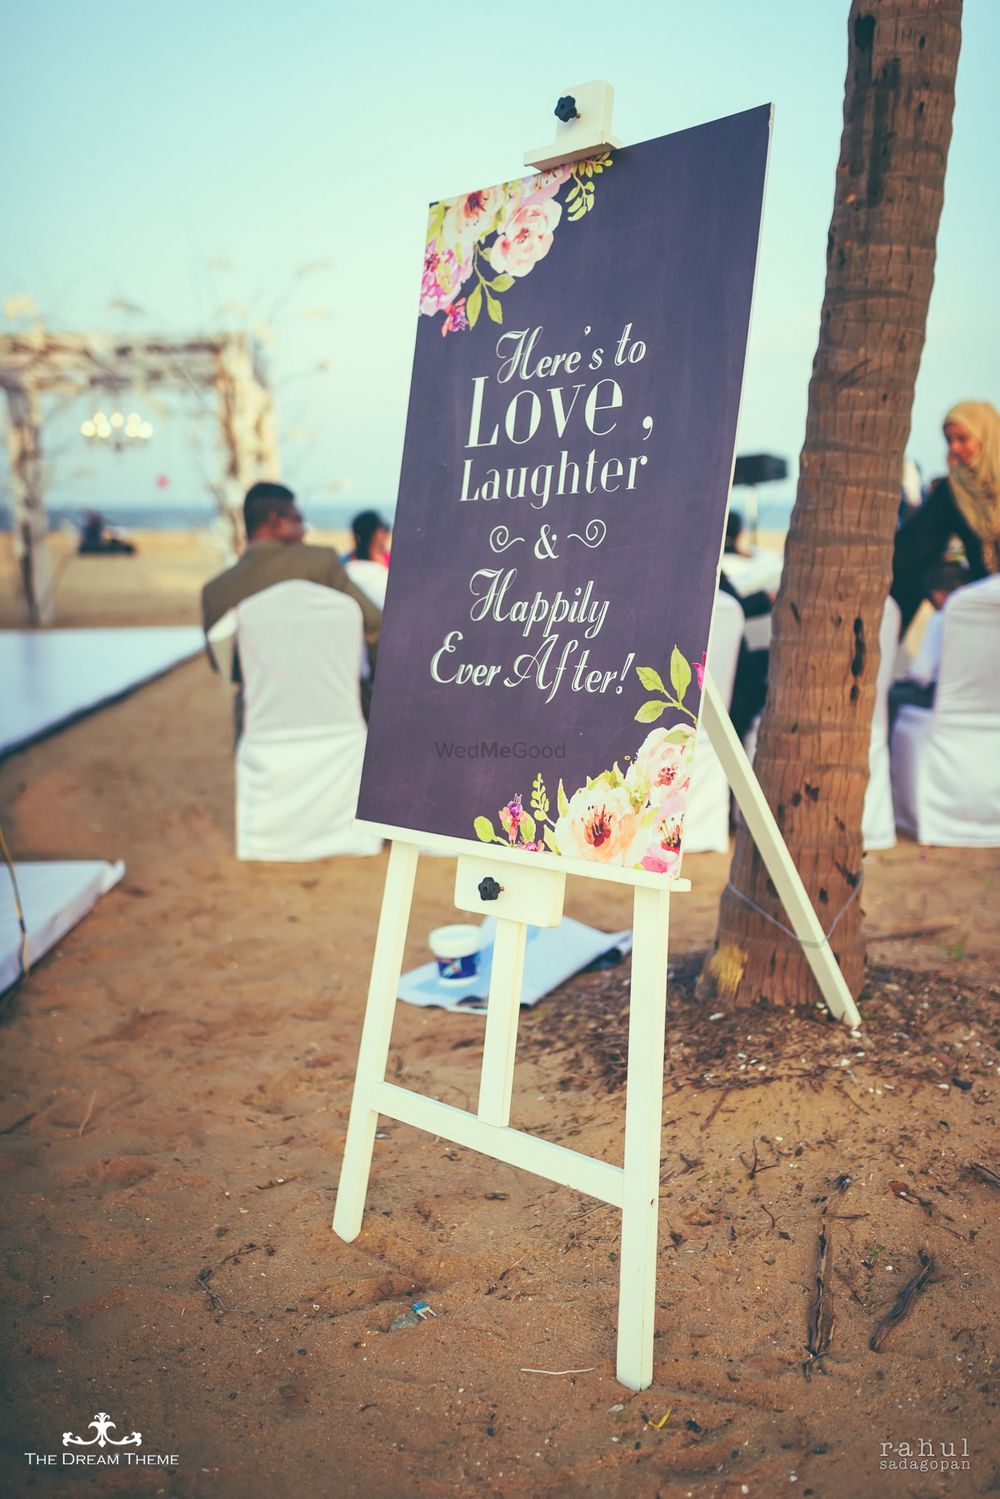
(41,362)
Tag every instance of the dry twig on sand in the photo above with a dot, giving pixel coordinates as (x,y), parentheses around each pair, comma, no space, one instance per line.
(86,1118)
(904,1301)
(820,1325)
(215,1302)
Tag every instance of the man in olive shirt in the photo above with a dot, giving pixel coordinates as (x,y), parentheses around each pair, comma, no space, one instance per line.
(276,553)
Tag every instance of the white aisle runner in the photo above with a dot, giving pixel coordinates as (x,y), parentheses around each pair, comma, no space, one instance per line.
(48,678)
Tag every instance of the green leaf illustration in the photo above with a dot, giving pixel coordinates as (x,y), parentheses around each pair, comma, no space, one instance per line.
(680,673)
(651,680)
(562,800)
(502,282)
(550,840)
(493,307)
(650,712)
(681,735)
(473,305)
(540,798)
(527,827)
(435,222)
(484,830)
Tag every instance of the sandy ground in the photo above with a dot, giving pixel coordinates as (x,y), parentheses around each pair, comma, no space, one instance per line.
(177,1081)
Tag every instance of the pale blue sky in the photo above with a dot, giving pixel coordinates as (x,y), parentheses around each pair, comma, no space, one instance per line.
(156,143)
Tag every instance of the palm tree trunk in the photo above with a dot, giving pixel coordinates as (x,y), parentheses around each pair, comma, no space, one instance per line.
(812,755)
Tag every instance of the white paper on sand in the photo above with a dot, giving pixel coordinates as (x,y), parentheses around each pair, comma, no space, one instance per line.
(54,897)
(552,955)
(51,677)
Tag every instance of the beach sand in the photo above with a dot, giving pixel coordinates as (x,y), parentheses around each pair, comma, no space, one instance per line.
(178,1077)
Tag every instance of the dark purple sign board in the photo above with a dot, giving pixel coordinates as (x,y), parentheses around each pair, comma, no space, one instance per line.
(568,453)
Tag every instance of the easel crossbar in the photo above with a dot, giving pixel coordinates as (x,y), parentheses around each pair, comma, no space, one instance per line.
(541,1157)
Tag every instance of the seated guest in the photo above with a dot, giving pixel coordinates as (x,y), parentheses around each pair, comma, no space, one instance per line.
(756,602)
(276,553)
(372,538)
(966,504)
(750,684)
(911,492)
(919,684)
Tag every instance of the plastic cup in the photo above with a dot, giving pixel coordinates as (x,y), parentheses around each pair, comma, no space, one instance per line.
(456,949)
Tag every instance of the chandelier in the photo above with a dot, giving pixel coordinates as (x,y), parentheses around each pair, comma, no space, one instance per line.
(117,430)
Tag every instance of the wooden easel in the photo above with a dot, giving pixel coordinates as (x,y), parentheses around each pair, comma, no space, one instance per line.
(532,888)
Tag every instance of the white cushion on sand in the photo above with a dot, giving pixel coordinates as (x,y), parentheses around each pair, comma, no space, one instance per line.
(54,897)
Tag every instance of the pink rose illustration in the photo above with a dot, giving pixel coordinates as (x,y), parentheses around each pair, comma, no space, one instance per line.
(442,279)
(455,320)
(663,853)
(468,219)
(525,239)
(699,671)
(539,189)
(661,860)
(665,766)
(510,817)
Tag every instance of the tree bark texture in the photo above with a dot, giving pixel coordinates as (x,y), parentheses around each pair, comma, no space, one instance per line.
(28,520)
(249,436)
(812,754)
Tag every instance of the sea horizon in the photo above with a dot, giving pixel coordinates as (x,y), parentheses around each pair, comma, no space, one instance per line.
(773,514)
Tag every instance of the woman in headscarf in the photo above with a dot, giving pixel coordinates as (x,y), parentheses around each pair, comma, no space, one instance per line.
(966,505)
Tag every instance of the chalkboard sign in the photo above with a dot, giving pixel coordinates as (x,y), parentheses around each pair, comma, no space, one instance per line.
(568,453)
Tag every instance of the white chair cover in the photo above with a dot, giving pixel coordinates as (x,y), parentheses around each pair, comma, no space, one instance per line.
(706,821)
(298,763)
(370,577)
(220,641)
(945,765)
(878,824)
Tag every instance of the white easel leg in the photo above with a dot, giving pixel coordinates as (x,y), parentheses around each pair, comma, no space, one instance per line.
(643,1125)
(502,1014)
(373,1057)
(777,860)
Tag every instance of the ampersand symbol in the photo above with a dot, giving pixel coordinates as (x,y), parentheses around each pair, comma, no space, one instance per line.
(545,546)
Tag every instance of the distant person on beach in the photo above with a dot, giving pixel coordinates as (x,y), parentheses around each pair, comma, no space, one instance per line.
(367,565)
(97,541)
(965,505)
(276,553)
(734,530)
